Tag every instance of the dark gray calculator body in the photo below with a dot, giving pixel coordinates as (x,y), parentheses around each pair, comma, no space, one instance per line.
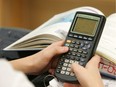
(82,40)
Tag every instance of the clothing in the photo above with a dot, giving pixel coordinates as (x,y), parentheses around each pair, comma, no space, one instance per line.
(12,78)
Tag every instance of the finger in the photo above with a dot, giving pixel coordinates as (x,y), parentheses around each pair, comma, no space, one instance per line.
(51,71)
(80,73)
(77,69)
(83,75)
(60,43)
(92,67)
(55,48)
(54,62)
(52,50)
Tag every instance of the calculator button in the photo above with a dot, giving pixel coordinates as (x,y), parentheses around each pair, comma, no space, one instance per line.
(63,56)
(66,61)
(85,52)
(83,55)
(64,68)
(80,37)
(72,57)
(90,38)
(67,73)
(82,44)
(73,53)
(72,74)
(84,48)
(75,36)
(86,42)
(85,38)
(59,67)
(77,58)
(65,64)
(88,46)
(71,35)
(72,45)
(76,46)
(78,55)
(61,63)
(68,69)
(67,44)
(69,53)
(69,65)
(58,71)
(62,59)
(77,42)
(70,49)
(80,51)
(73,42)
(81,63)
(62,72)
(76,62)
(72,61)
(82,60)
(75,50)
(68,41)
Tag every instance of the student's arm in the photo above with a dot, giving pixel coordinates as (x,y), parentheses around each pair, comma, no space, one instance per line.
(41,61)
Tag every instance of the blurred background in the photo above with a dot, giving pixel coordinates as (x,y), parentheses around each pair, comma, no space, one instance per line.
(30,14)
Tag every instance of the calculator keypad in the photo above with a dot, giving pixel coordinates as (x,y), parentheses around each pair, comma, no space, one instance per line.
(78,50)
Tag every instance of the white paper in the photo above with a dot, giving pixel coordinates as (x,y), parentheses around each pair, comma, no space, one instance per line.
(107,44)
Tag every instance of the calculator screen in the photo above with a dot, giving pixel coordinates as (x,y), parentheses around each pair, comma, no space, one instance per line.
(85,26)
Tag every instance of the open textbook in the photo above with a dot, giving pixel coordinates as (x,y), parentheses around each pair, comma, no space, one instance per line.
(57,28)
(107,44)
(107,47)
(53,30)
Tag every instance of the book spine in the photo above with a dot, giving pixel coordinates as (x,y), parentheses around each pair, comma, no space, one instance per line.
(107,68)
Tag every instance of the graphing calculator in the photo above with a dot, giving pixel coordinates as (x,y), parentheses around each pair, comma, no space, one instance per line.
(82,40)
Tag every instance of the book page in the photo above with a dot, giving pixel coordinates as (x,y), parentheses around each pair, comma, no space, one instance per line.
(37,42)
(58,30)
(107,44)
(62,20)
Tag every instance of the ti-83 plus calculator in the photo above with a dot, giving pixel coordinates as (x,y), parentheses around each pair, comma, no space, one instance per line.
(82,40)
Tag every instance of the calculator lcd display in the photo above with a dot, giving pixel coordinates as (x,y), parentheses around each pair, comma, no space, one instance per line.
(85,26)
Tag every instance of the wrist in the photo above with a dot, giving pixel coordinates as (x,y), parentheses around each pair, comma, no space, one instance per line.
(24,64)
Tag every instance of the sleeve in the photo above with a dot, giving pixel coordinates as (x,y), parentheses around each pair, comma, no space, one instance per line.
(12,78)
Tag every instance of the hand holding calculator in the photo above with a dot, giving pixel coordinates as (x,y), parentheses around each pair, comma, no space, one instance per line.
(82,40)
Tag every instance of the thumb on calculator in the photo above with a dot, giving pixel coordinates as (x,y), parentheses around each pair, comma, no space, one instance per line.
(88,76)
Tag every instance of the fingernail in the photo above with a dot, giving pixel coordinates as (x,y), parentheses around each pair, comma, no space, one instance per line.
(73,65)
(65,48)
